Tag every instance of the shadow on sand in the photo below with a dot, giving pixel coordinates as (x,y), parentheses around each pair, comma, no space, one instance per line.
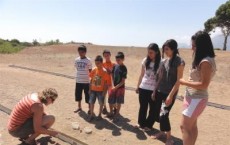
(44,141)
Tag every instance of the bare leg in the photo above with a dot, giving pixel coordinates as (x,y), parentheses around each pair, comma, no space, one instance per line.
(91,109)
(79,104)
(100,109)
(168,134)
(195,132)
(47,122)
(111,106)
(169,138)
(118,109)
(187,128)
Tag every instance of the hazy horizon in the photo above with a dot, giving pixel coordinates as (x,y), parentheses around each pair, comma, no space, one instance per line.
(111,22)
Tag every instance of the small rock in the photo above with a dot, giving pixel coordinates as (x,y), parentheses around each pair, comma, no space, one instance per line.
(87,130)
(68,118)
(75,126)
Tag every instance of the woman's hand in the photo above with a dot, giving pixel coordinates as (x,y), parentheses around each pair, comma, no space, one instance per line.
(182,81)
(137,90)
(168,101)
(53,133)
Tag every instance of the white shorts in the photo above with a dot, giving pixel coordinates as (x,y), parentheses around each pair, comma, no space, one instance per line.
(193,107)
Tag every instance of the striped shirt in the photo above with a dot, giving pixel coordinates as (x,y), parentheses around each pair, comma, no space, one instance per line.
(82,67)
(21,113)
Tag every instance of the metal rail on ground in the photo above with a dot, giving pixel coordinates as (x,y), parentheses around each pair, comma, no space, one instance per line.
(211,104)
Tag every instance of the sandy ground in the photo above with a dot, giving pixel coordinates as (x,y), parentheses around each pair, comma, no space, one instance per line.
(15,83)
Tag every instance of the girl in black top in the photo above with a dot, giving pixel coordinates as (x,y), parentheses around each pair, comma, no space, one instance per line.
(170,72)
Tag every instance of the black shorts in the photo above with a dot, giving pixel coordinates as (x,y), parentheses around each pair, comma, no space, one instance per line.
(78,92)
(25,130)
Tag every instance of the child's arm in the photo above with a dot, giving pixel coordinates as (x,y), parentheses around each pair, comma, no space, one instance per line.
(105,89)
(120,84)
(90,66)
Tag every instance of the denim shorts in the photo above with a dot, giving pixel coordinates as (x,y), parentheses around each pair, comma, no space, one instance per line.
(98,95)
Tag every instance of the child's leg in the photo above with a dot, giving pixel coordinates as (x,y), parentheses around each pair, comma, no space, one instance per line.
(78,95)
(118,108)
(91,109)
(104,105)
(92,101)
(119,96)
(111,106)
(100,109)
(111,101)
(87,95)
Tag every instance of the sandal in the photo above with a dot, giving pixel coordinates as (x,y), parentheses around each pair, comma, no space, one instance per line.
(169,142)
(158,135)
(33,143)
(146,129)
(78,110)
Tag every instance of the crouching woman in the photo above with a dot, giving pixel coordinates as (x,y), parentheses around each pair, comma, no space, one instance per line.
(28,119)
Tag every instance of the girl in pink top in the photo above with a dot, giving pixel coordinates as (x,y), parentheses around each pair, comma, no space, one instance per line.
(201,73)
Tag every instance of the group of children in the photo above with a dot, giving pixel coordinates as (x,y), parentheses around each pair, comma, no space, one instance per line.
(106,77)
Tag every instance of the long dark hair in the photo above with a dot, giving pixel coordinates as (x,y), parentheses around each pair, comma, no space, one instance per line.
(172,44)
(204,47)
(154,47)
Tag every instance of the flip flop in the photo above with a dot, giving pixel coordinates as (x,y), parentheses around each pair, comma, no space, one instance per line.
(169,142)
(146,129)
(78,110)
(26,143)
(158,135)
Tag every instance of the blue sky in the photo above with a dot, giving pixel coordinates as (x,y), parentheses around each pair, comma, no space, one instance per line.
(109,22)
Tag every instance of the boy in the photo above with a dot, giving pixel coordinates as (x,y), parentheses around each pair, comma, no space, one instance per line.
(108,65)
(116,94)
(98,86)
(83,66)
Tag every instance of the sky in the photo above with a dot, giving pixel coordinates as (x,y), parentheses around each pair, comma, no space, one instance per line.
(105,22)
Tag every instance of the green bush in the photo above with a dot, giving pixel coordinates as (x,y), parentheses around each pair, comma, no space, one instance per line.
(11,46)
(7,47)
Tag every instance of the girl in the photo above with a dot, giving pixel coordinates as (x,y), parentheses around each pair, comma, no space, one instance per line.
(170,72)
(146,85)
(201,73)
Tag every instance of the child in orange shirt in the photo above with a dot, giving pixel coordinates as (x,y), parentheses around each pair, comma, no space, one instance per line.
(98,86)
(108,65)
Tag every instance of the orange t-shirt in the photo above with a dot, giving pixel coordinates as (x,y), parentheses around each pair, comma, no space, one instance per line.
(109,66)
(99,78)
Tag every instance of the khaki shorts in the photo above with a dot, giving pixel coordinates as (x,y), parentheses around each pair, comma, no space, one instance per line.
(25,130)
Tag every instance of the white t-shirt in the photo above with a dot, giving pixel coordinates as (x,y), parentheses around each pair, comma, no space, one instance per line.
(149,79)
(82,67)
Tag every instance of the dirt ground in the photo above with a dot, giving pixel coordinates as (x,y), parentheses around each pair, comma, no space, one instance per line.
(15,83)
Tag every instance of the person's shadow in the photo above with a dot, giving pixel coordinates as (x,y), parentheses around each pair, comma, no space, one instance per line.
(115,127)
(44,141)
(124,124)
(177,141)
